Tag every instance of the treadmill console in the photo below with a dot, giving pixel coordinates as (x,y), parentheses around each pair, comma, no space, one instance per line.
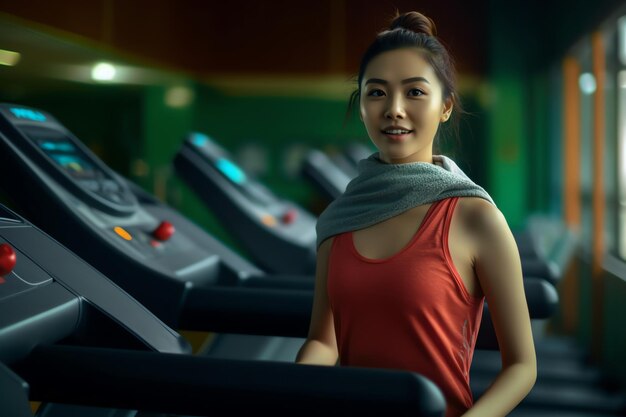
(220,160)
(102,198)
(68,161)
(277,233)
(148,248)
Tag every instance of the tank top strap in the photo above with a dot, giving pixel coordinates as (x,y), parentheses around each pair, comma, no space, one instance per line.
(437,223)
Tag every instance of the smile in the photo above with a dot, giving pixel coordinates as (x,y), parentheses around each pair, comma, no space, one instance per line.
(397,132)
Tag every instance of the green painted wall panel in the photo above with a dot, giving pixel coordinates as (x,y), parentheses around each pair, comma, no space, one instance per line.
(507,148)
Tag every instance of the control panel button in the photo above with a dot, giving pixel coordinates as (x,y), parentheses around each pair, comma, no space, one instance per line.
(164,231)
(290,216)
(123,233)
(268,220)
(7,259)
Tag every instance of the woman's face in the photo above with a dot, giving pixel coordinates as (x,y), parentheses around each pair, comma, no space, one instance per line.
(402,105)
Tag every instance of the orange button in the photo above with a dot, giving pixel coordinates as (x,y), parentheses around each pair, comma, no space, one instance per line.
(268,220)
(123,233)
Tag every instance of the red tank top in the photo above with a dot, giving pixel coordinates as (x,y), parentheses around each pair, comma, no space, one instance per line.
(410,311)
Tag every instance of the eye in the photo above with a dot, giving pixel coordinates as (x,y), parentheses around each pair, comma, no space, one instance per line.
(415,92)
(375,93)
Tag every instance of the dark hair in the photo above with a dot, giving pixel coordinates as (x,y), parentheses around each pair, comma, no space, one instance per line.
(414,30)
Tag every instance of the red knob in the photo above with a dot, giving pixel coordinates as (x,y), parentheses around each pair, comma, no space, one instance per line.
(7,259)
(164,231)
(290,216)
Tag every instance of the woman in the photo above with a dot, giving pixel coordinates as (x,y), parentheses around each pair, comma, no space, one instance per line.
(409,254)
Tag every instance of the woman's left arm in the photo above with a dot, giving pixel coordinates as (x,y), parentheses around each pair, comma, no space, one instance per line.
(498,266)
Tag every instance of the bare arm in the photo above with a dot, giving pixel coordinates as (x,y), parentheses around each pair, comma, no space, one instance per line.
(499,271)
(320,347)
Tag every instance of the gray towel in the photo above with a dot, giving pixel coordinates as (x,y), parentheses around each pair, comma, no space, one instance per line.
(382,190)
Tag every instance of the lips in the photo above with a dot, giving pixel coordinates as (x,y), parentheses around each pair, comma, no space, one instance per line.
(396,134)
(396,131)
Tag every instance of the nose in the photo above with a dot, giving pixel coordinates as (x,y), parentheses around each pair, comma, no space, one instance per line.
(395,108)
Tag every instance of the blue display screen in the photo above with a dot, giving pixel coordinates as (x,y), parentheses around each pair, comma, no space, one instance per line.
(199,139)
(28,114)
(57,146)
(231,171)
(65,154)
(74,164)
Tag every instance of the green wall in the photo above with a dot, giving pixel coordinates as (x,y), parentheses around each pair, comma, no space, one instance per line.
(507,127)
(279,125)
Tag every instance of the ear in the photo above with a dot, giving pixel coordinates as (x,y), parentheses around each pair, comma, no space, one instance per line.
(447,110)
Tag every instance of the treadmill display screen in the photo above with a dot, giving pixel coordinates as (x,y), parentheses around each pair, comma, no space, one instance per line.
(62,151)
(199,139)
(231,171)
(28,114)
(74,165)
(211,151)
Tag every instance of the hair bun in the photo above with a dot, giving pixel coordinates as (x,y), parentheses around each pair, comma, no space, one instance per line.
(415,22)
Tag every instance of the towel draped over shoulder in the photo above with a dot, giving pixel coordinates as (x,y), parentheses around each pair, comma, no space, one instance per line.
(381,191)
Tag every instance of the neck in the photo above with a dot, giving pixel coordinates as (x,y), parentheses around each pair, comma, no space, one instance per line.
(426,157)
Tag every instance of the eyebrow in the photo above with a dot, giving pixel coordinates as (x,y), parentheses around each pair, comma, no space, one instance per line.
(406,81)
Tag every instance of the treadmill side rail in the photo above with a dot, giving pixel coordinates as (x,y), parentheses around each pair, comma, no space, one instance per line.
(194,385)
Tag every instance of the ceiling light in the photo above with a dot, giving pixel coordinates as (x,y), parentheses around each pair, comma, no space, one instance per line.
(9,58)
(103,72)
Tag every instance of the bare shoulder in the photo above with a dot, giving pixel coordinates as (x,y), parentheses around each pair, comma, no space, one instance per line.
(483,221)
(481,218)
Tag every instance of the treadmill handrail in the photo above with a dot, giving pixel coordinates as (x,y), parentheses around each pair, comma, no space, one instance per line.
(158,382)
(264,311)
(280,312)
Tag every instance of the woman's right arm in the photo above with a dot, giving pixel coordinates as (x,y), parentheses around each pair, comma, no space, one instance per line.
(320,347)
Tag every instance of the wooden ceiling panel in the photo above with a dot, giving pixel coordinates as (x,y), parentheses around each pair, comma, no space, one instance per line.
(257,37)
(227,37)
(462,26)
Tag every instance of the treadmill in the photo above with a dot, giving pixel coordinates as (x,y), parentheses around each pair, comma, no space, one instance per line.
(330,180)
(355,152)
(70,335)
(278,234)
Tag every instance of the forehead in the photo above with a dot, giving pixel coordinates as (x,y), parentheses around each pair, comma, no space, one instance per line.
(400,64)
